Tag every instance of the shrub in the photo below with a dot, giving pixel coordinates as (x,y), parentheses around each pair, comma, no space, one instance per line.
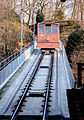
(70,23)
(39,17)
(74,41)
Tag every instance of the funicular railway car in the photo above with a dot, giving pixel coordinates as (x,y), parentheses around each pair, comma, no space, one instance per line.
(48,35)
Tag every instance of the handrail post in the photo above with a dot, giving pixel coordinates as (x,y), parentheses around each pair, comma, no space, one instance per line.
(21,26)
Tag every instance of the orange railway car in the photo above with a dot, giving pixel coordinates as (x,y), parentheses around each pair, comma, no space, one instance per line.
(48,35)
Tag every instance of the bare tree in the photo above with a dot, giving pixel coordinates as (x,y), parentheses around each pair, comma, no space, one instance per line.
(78,11)
(82,12)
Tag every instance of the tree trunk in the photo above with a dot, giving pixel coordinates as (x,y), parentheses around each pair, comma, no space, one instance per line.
(82,13)
(33,17)
(29,17)
(74,10)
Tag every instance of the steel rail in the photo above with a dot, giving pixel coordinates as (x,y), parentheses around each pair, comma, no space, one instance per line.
(48,88)
(14,115)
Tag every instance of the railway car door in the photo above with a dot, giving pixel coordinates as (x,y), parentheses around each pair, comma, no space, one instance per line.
(41,28)
(55,33)
(48,31)
(41,32)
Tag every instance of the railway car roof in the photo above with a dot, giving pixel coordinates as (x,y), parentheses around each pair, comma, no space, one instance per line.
(48,23)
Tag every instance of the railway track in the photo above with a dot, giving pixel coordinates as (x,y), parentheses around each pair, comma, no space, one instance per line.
(20,84)
(29,84)
(37,91)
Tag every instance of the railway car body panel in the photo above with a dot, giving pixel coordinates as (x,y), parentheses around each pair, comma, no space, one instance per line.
(48,35)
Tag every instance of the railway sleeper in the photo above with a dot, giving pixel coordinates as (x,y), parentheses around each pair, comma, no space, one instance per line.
(35,94)
(44,66)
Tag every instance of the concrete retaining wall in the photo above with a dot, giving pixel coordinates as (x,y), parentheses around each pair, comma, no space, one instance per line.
(67,65)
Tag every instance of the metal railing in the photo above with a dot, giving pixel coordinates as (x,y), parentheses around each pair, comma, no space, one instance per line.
(12,57)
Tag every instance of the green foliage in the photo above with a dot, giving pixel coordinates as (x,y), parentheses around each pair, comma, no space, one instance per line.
(77,27)
(74,41)
(39,17)
(70,23)
(59,15)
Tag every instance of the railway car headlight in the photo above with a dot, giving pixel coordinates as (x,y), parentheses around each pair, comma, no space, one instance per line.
(41,35)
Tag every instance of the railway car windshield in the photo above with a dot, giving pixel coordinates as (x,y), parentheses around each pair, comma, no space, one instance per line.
(41,28)
(48,28)
(54,28)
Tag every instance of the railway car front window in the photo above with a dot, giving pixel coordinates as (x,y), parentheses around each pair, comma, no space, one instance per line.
(54,28)
(48,28)
(41,28)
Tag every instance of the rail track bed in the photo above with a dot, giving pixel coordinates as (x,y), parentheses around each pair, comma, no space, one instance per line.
(35,91)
